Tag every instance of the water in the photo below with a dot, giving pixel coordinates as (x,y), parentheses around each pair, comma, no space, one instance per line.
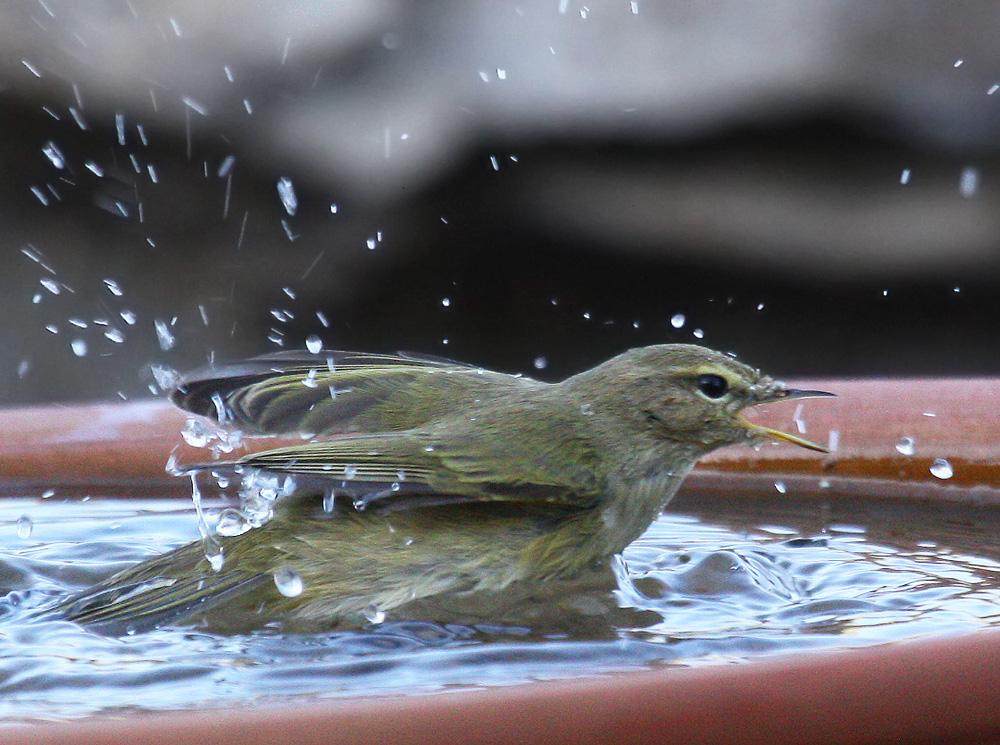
(942,469)
(713,580)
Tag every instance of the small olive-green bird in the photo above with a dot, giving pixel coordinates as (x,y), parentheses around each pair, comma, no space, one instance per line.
(440,479)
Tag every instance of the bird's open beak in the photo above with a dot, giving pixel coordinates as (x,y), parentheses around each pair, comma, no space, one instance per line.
(775,434)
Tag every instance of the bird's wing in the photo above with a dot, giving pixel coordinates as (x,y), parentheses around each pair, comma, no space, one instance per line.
(407,469)
(337,392)
(162,590)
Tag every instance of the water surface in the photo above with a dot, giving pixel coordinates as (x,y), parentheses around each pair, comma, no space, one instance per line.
(713,580)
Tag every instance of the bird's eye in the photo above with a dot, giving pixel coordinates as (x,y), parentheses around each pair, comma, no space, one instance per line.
(713,386)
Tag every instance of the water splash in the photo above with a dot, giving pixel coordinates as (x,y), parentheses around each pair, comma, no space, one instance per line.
(942,469)
(164,336)
(288,582)
(286,192)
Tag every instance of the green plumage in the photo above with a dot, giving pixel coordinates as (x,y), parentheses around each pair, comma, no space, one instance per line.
(446,480)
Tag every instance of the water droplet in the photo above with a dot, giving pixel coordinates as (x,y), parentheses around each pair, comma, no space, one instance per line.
(781,487)
(905,176)
(221,412)
(24,526)
(906,445)
(232,522)
(678,320)
(445,302)
(314,344)
(23,368)
(54,155)
(115,335)
(374,614)
(164,335)
(50,284)
(309,381)
(196,434)
(225,166)
(166,377)
(128,316)
(350,472)
(213,552)
(79,347)
(288,582)
(329,501)
(286,192)
(113,287)
(969,182)
(371,243)
(586,409)
(699,334)
(942,469)
(540,363)
(194,105)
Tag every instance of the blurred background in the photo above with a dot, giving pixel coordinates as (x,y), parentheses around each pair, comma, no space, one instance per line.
(531,187)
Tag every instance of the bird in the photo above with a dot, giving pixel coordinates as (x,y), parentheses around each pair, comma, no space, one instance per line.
(422,478)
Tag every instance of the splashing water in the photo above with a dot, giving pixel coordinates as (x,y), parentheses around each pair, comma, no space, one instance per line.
(942,469)
(706,584)
(288,582)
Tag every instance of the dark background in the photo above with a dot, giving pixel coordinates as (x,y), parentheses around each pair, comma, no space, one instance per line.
(568,176)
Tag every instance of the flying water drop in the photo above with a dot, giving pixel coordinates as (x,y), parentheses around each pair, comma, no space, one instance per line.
(232,522)
(942,469)
(196,434)
(164,335)
(286,191)
(288,582)
(54,155)
(906,446)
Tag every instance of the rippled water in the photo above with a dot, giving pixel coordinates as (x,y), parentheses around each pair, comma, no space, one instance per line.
(712,580)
